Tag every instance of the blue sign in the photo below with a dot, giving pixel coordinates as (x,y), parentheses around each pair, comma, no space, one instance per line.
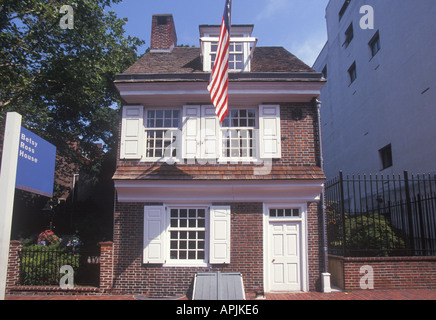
(36,164)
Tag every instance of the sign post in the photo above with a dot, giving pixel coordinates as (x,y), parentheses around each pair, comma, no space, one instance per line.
(28,163)
(7,190)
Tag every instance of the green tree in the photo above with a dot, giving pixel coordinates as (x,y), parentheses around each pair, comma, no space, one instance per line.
(61,80)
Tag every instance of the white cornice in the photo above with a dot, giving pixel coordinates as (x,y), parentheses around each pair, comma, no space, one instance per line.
(218,191)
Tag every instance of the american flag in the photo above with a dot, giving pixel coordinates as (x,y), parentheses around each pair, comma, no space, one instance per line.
(219,79)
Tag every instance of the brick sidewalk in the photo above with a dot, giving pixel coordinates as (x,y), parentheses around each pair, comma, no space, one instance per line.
(336,295)
(358,295)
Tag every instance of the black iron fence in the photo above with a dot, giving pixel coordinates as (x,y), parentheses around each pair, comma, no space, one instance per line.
(381,215)
(41,266)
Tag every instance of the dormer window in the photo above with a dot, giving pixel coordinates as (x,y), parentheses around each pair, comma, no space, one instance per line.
(241,47)
(236,57)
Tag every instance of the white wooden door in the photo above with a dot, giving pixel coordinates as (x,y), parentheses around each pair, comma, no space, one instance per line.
(285,256)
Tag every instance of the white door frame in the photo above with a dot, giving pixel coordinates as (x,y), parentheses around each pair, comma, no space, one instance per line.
(304,270)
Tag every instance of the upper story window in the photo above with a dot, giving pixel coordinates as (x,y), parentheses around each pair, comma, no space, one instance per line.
(193,132)
(343,9)
(240,51)
(236,56)
(161,133)
(238,134)
(352,72)
(349,35)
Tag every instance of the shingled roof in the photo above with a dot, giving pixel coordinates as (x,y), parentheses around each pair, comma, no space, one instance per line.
(188,60)
(210,172)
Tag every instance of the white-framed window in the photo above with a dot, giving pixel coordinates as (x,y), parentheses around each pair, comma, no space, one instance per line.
(236,55)
(284,213)
(186,235)
(187,230)
(241,48)
(161,133)
(238,134)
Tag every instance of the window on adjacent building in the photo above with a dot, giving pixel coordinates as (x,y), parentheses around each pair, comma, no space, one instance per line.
(343,9)
(352,72)
(324,72)
(162,127)
(374,44)
(349,35)
(238,134)
(386,156)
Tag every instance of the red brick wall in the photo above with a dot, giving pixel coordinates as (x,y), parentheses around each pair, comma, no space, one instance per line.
(163,36)
(315,245)
(106,266)
(13,274)
(299,137)
(300,145)
(390,272)
(131,276)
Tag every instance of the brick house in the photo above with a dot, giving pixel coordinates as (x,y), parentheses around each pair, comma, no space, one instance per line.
(194,195)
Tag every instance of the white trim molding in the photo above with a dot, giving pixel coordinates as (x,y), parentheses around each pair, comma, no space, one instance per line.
(206,191)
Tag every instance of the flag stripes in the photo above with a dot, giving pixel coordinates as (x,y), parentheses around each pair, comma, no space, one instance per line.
(219,81)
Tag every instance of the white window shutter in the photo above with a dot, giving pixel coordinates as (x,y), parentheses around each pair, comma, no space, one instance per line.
(132,132)
(209,133)
(191,132)
(154,235)
(219,248)
(269,131)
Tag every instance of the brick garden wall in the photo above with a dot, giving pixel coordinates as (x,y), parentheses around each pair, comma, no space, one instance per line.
(389,272)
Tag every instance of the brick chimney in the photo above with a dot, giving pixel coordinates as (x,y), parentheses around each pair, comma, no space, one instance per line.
(163,33)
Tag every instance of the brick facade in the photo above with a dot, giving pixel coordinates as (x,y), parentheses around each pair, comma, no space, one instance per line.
(300,148)
(300,143)
(132,276)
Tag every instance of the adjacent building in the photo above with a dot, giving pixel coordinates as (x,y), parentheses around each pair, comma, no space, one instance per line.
(378,106)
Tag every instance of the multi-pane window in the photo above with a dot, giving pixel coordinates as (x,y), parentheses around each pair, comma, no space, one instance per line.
(236,55)
(238,132)
(275,213)
(161,133)
(187,234)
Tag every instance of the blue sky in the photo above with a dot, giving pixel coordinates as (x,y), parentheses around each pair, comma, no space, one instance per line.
(297,25)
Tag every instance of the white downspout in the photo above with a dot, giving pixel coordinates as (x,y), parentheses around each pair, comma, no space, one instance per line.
(325,276)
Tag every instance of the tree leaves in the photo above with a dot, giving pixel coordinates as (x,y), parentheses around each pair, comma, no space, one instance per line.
(61,81)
